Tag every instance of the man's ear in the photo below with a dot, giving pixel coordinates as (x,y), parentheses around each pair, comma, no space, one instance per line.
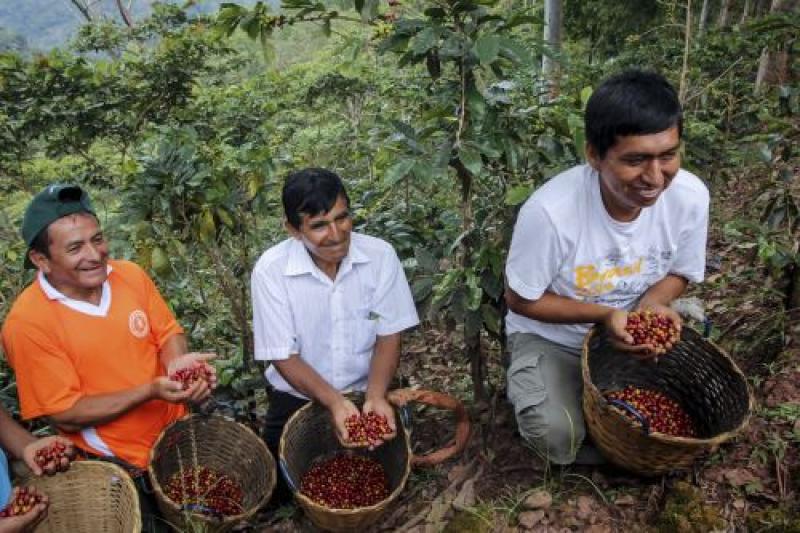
(592,157)
(294,232)
(39,260)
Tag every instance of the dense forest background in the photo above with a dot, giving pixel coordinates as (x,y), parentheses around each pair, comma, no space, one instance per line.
(442,116)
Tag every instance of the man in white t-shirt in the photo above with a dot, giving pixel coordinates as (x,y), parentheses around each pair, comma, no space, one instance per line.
(328,308)
(625,231)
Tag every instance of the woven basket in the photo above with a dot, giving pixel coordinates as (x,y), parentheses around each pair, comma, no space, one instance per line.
(221,445)
(309,435)
(698,375)
(90,497)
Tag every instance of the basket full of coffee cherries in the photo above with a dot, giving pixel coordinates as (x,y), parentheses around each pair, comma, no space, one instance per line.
(347,488)
(657,414)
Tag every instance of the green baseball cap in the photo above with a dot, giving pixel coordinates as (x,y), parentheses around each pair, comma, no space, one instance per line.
(52,202)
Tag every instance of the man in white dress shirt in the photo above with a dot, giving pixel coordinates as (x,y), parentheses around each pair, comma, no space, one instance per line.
(328,308)
(625,231)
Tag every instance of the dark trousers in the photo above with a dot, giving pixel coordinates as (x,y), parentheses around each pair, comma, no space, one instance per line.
(282,406)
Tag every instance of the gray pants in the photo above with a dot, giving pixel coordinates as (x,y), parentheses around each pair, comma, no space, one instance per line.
(545,388)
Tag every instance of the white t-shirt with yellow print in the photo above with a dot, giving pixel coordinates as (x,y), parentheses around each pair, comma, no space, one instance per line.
(566,243)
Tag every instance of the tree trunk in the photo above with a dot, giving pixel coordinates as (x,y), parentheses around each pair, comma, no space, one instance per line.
(85,7)
(745,12)
(125,14)
(724,14)
(553,17)
(773,67)
(701,25)
(472,336)
(684,85)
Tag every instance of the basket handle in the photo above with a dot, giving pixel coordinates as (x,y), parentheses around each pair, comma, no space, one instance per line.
(286,476)
(400,397)
(633,412)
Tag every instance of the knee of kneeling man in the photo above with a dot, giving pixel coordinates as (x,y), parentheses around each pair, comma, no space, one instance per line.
(557,439)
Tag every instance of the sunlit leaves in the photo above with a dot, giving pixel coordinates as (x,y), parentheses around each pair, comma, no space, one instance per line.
(486,48)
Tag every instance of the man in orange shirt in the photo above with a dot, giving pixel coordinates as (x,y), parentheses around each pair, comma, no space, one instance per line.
(91,340)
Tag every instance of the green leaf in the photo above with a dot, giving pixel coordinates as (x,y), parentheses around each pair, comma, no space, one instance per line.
(486,49)
(514,51)
(159,261)
(475,294)
(491,318)
(422,288)
(510,151)
(517,195)
(426,260)
(398,171)
(586,93)
(424,41)
(471,159)
(476,103)
(576,129)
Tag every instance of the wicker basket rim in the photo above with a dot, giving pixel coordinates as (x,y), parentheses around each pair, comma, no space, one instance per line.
(717,439)
(358,510)
(205,518)
(95,468)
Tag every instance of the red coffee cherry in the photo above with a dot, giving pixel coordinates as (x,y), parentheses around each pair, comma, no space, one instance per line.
(23,502)
(205,491)
(55,454)
(190,375)
(663,413)
(346,481)
(365,429)
(653,329)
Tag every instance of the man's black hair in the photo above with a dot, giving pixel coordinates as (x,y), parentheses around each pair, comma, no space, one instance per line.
(41,243)
(633,102)
(311,191)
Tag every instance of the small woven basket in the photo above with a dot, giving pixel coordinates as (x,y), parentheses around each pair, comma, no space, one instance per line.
(697,374)
(221,445)
(90,497)
(309,435)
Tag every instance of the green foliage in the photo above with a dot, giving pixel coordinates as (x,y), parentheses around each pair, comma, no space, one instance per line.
(430,110)
(686,512)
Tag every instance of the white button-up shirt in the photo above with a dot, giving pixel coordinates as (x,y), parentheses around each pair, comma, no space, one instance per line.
(331,324)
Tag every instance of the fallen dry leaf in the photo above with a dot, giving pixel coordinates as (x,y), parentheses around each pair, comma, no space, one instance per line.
(625,500)
(466,496)
(528,519)
(739,477)
(585,507)
(541,499)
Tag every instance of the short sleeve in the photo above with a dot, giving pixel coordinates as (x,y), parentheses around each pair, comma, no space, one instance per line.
(273,328)
(690,261)
(47,382)
(534,256)
(393,303)
(163,324)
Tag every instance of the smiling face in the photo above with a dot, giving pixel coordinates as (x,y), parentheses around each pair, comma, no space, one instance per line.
(326,236)
(77,265)
(636,170)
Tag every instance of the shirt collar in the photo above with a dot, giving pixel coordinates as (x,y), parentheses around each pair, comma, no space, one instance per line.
(54,294)
(300,262)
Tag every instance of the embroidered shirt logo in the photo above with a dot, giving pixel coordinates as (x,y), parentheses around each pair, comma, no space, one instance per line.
(138,324)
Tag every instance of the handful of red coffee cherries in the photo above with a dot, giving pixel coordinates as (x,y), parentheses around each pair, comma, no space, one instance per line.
(655,330)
